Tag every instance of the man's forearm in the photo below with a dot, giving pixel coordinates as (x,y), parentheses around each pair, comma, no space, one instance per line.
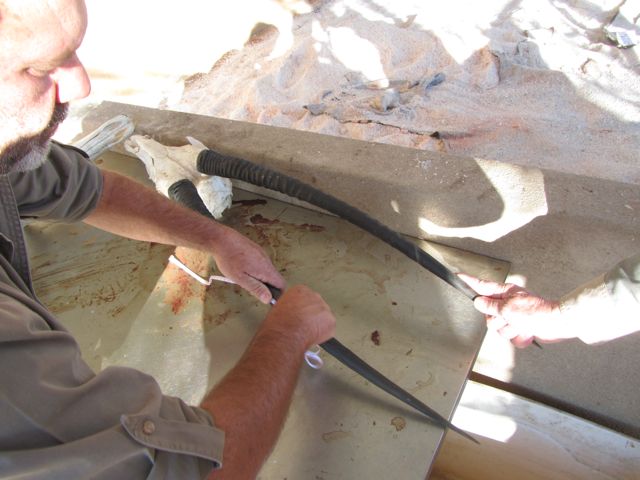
(250,404)
(129,209)
(132,210)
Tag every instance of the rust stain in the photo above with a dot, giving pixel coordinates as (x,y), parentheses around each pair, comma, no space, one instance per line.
(107,294)
(180,287)
(258,219)
(91,276)
(399,423)
(375,338)
(261,237)
(271,233)
(264,236)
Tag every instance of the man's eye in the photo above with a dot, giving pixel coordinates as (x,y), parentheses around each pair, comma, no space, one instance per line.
(38,72)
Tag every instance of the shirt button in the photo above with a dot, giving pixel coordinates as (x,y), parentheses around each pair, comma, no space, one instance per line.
(148,427)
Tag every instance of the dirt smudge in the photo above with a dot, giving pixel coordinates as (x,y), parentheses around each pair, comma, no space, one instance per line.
(335,435)
(399,423)
(312,228)
(217,319)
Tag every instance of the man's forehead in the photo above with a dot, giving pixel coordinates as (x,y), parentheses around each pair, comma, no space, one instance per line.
(49,27)
(28,17)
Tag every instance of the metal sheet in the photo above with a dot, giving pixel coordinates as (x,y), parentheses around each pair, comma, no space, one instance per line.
(127,306)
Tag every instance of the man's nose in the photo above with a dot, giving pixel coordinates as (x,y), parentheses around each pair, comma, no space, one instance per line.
(72,80)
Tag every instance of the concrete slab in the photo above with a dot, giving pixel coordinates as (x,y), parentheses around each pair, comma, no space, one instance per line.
(128,307)
(556,229)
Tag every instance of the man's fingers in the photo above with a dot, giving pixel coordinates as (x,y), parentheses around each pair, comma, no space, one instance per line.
(495,323)
(265,272)
(485,287)
(522,341)
(274,278)
(255,288)
(508,332)
(488,305)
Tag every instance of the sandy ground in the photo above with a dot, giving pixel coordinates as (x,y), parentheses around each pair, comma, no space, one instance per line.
(529,82)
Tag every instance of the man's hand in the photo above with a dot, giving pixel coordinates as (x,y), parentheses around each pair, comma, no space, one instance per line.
(517,314)
(246,263)
(303,310)
(129,209)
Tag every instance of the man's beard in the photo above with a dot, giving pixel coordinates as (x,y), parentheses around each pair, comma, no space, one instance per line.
(28,153)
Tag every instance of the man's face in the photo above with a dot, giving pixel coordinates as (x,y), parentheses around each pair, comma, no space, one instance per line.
(39,73)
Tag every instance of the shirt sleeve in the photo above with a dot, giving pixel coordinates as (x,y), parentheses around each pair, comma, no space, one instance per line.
(607,306)
(66,187)
(61,420)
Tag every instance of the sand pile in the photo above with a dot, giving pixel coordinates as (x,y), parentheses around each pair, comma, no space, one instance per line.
(530,82)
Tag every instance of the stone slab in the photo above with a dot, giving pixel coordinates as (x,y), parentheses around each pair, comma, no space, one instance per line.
(557,230)
(128,307)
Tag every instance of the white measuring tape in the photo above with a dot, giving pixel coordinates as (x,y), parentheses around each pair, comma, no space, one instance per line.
(312,357)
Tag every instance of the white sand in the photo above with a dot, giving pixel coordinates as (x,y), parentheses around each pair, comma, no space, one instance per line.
(530,82)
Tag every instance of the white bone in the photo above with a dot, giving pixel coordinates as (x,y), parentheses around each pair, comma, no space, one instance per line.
(104,137)
(167,165)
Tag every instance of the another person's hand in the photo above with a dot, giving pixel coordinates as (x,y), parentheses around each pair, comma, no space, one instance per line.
(517,314)
(303,311)
(246,263)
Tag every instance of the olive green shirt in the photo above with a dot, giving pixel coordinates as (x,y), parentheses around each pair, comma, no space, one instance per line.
(58,418)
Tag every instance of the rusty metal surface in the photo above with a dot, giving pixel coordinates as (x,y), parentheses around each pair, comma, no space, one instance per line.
(127,306)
